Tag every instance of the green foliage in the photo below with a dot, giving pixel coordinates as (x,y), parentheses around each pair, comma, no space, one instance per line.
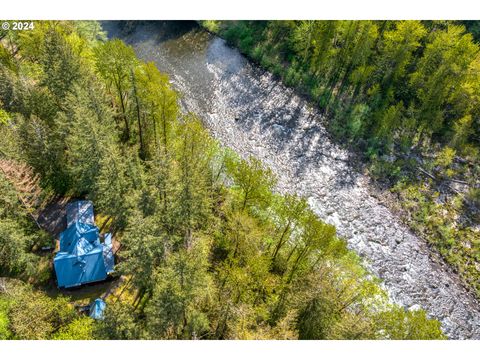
(119,323)
(182,287)
(315,319)
(32,314)
(436,221)
(5,333)
(115,62)
(253,180)
(194,150)
(3,116)
(14,248)
(88,134)
(9,204)
(60,66)
(211,25)
(398,324)
(17,235)
(157,109)
(91,31)
(82,328)
(474,197)
(445,157)
(473,27)
(356,120)
(145,244)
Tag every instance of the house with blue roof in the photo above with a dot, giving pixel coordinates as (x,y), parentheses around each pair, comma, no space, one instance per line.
(83,258)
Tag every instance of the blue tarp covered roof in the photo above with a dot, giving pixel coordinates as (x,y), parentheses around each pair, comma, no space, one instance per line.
(79,238)
(80,211)
(75,270)
(97,308)
(82,257)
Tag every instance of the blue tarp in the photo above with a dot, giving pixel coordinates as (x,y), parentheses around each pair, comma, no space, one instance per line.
(80,211)
(82,257)
(97,308)
(79,238)
(75,270)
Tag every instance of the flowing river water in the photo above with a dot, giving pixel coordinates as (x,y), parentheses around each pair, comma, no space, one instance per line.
(248,110)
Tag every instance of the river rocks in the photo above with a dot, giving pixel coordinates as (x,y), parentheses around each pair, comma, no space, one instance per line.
(414,307)
(278,130)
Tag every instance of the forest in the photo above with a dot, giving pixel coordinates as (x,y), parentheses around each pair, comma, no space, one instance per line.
(405,96)
(208,248)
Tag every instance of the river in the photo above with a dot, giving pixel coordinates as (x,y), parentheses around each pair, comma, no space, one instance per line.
(248,110)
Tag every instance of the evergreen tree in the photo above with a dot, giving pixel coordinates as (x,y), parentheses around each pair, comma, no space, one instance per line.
(182,291)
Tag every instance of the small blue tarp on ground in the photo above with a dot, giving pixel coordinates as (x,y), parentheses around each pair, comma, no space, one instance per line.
(97,308)
(82,257)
